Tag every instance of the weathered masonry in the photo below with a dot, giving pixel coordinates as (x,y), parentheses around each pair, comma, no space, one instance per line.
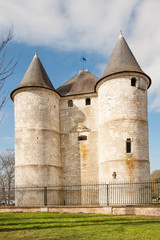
(89,130)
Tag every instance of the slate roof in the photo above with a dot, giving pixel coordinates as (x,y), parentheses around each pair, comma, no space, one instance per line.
(122,60)
(35,76)
(82,83)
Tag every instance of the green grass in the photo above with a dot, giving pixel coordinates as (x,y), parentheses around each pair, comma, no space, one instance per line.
(156,203)
(77,226)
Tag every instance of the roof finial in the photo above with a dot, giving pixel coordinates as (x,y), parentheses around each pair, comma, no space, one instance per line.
(121,33)
(36,54)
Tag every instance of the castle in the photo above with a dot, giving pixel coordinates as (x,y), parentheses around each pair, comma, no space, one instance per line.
(89,130)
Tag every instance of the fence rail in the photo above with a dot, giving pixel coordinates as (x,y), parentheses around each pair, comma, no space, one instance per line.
(88,194)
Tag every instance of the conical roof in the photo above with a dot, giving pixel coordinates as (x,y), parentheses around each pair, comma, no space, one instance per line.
(82,83)
(122,59)
(35,76)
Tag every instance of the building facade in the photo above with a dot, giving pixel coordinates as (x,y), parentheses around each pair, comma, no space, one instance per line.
(89,130)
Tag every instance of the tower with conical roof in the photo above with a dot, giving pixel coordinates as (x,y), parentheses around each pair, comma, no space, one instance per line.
(37,136)
(123,122)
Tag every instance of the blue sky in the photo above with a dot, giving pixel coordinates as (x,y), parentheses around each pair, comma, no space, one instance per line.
(64,31)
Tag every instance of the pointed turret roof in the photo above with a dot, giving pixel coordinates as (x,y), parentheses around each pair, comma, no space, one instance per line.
(122,60)
(83,82)
(35,76)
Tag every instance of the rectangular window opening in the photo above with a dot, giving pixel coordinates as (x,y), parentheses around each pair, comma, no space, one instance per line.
(88,101)
(82,138)
(133,82)
(128,145)
(70,103)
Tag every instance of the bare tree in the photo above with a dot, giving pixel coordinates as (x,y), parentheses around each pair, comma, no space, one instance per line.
(155,175)
(7,176)
(7,66)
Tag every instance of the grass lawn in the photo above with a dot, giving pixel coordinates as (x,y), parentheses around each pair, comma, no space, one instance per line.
(77,226)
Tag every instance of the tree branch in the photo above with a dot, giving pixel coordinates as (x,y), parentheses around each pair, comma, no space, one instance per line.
(7,66)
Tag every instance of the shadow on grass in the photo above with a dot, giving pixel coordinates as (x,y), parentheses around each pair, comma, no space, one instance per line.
(73,224)
(62,218)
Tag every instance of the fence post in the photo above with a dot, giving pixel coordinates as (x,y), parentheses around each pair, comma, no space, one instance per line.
(45,196)
(107,195)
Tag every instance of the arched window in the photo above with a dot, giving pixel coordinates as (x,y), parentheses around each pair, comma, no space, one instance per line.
(133,82)
(70,103)
(82,138)
(88,101)
(128,145)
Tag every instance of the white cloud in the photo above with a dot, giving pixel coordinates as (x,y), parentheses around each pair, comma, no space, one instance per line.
(69,24)
(90,25)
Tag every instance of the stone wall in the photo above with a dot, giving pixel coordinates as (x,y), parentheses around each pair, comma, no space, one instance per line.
(79,157)
(153,211)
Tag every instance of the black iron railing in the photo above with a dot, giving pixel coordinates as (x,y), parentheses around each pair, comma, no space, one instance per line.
(131,193)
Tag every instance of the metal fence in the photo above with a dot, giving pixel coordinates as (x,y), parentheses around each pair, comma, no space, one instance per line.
(132,193)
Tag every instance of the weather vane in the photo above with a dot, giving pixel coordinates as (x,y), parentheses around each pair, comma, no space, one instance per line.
(83,60)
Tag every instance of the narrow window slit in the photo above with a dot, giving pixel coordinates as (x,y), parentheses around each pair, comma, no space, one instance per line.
(128,145)
(133,82)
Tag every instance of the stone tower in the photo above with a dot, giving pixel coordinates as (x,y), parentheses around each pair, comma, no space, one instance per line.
(37,137)
(123,123)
